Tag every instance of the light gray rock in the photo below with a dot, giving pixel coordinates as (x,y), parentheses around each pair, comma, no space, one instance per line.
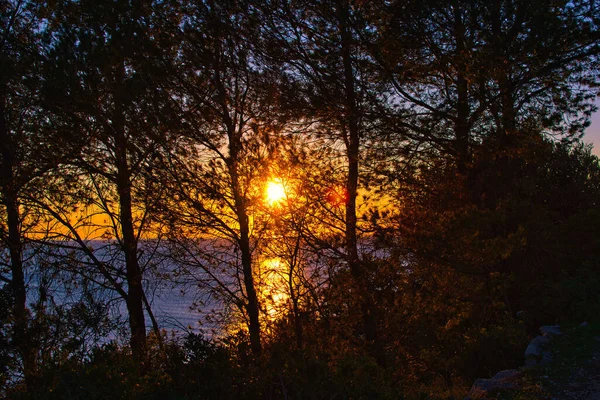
(550,330)
(531,361)
(535,354)
(535,347)
(547,357)
(486,388)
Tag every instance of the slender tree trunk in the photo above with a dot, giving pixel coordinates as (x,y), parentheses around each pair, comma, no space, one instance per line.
(9,187)
(299,330)
(155,326)
(506,125)
(506,134)
(21,335)
(295,296)
(135,294)
(352,144)
(244,242)
(352,152)
(462,117)
(252,305)
(235,147)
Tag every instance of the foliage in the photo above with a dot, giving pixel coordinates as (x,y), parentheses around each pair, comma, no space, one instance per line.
(438,205)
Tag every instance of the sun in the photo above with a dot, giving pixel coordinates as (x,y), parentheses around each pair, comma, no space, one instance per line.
(275,192)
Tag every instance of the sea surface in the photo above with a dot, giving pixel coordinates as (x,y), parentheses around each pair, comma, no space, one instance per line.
(181,293)
(179,303)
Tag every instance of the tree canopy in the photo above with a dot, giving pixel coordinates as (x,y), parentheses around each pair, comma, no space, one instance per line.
(362,198)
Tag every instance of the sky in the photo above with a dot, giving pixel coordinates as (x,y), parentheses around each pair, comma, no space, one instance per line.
(592,133)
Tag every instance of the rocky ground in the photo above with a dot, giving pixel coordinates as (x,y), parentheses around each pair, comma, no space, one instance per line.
(568,368)
(576,377)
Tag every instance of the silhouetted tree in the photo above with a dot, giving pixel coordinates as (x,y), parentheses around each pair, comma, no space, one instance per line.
(319,46)
(31,144)
(106,81)
(216,173)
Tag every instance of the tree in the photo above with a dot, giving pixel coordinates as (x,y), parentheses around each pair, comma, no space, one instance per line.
(472,226)
(215,173)
(32,143)
(103,83)
(470,72)
(318,47)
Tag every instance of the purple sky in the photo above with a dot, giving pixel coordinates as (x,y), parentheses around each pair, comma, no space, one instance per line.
(592,134)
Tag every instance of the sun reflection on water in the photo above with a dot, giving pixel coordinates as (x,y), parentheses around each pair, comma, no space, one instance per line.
(274,287)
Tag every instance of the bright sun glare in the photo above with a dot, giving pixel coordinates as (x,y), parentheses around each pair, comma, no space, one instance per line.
(275,192)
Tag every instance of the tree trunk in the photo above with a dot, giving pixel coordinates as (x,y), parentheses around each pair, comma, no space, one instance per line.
(295,296)
(9,187)
(21,336)
(244,242)
(506,125)
(155,326)
(135,294)
(352,152)
(252,305)
(462,116)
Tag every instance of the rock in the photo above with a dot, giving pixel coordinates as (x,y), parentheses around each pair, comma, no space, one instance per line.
(488,388)
(584,324)
(531,361)
(534,353)
(506,380)
(546,358)
(550,330)
(535,347)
